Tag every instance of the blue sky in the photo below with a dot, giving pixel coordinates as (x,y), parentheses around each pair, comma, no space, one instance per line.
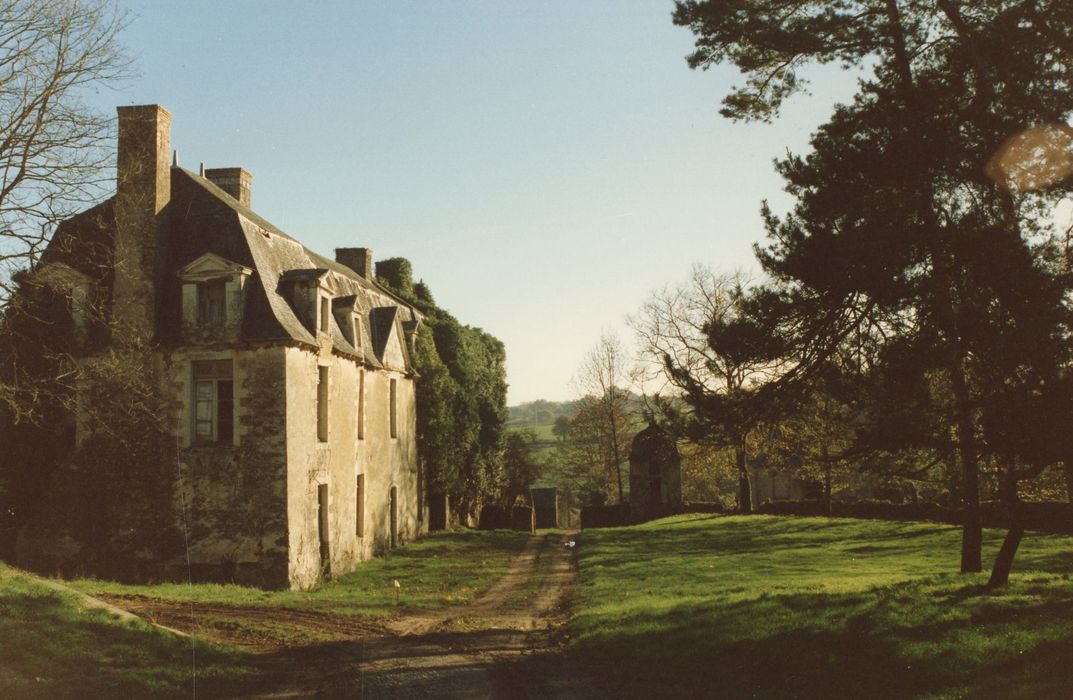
(543,165)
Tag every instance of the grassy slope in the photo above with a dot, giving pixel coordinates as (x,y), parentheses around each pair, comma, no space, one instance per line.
(439,569)
(818,608)
(50,647)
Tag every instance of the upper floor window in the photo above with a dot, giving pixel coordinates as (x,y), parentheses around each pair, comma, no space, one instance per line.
(213,298)
(210,303)
(361,404)
(214,401)
(356,332)
(394,399)
(322,404)
(325,314)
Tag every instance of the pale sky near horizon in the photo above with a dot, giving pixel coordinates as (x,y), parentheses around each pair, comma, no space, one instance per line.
(543,165)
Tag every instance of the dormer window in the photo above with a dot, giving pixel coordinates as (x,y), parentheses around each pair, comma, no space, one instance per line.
(325,314)
(348,315)
(211,310)
(213,299)
(311,293)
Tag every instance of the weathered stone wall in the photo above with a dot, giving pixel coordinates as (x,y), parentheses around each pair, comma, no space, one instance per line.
(337,462)
(234,494)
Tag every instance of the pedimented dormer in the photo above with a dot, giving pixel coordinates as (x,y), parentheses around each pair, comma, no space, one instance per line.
(387,337)
(311,292)
(213,299)
(78,288)
(351,320)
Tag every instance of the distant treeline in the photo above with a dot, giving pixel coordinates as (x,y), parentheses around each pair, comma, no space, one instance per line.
(543,412)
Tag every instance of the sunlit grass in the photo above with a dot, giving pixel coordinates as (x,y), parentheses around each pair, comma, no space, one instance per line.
(51,647)
(447,568)
(814,607)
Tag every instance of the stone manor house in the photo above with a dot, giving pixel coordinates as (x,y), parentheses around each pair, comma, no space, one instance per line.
(265,351)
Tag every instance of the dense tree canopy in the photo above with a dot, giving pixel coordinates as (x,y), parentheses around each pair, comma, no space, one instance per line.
(911,247)
(461,397)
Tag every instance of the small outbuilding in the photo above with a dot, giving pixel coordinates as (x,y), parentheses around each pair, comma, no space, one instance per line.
(546,504)
(655,472)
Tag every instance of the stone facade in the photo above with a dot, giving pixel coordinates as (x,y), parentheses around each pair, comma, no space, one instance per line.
(286,375)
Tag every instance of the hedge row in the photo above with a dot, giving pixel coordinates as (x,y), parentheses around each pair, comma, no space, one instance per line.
(1050,517)
(619,515)
(1043,517)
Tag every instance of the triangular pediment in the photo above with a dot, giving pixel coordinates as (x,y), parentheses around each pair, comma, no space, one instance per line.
(386,340)
(212,266)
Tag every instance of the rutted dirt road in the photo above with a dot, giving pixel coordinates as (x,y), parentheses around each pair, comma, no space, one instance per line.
(505,644)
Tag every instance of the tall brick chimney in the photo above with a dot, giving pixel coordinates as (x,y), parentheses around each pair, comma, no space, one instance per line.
(360,260)
(234,181)
(143,188)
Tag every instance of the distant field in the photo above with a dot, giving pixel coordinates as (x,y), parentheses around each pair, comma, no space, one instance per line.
(770,607)
(542,431)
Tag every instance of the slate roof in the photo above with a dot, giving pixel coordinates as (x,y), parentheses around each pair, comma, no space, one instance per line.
(202,218)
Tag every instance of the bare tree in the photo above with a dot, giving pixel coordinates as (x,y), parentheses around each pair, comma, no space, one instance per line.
(602,379)
(695,342)
(673,322)
(55,155)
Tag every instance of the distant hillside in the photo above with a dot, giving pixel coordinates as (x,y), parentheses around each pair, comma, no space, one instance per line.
(540,412)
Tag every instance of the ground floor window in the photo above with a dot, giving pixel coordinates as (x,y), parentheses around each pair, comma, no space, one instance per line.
(359,506)
(214,401)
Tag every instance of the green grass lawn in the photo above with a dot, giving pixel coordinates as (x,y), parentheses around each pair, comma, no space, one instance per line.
(777,607)
(544,432)
(439,569)
(50,647)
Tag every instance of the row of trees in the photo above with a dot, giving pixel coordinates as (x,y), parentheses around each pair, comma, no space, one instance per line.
(914,307)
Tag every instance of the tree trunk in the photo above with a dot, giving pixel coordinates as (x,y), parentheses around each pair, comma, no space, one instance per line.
(1000,572)
(1068,468)
(745,497)
(826,482)
(972,533)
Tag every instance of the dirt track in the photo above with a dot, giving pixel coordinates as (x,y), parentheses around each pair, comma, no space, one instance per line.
(487,649)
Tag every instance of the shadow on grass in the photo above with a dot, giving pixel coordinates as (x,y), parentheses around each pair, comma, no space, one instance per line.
(824,646)
(816,608)
(52,648)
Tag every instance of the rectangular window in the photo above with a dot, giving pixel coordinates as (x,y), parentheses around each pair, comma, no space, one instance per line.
(210,303)
(361,405)
(322,404)
(359,506)
(357,331)
(394,408)
(214,401)
(325,314)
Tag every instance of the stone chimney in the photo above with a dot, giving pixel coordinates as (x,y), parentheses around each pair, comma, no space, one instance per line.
(360,260)
(234,181)
(143,189)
